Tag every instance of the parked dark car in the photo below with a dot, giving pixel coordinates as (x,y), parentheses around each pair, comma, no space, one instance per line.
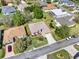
(9,48)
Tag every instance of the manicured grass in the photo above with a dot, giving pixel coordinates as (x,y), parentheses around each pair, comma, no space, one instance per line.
(39,41)
(2,53)
(76,46)
(74,30)
(55,36)
(62,54)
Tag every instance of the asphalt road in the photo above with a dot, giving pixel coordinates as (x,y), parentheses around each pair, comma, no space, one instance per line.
(45,50)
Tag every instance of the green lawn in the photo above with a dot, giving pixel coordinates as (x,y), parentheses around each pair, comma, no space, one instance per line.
(76,46)
(39,41)
(55,36)
(62,54)
(74,30)
(2,53)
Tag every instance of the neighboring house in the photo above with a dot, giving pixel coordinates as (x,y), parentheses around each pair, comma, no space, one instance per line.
(6,10)
(67,20)
(11,34)
(59,13)
(63,17)
(22,5)
(39,28)
(49,7)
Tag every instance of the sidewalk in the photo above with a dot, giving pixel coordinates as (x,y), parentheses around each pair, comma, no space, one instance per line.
(50,38)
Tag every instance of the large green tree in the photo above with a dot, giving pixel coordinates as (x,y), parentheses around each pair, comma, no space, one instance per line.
(38,13)
(18,19)
(62,32)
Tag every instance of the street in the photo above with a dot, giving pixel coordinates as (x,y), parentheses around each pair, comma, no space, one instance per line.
(45,50)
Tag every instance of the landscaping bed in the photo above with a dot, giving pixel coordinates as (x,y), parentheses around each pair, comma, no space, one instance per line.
(62,54)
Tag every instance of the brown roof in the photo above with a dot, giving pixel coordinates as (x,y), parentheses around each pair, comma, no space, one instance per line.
(50,6)
(39,27)
(8,1)
(13,32)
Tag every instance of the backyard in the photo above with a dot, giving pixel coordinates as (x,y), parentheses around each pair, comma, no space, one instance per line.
(62,54)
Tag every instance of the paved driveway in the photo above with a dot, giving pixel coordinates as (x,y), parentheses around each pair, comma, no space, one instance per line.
(50,38)
(8,54)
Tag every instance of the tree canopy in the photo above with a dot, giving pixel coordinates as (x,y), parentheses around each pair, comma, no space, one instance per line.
(18,19)
(38,13)
(62,32)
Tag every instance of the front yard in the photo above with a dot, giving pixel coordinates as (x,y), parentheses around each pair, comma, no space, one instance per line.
(74,30)
(39,41)
(62,54)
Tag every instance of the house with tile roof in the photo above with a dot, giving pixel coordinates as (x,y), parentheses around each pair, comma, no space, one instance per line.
(49,7)
(11,34)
